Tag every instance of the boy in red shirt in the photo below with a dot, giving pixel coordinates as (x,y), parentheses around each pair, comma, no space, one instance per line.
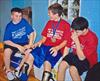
(83,54)
(54,37)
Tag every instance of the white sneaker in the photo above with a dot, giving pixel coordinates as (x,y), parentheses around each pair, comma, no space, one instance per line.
(10,75)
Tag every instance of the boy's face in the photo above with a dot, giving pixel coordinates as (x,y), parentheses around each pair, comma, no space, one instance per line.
(52,16)
(16,17)
(81,32)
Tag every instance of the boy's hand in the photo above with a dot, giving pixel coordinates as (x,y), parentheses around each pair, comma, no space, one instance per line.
(28,51)
(21,49)
(74,36)
(53,51)
(28,46)
(38,44)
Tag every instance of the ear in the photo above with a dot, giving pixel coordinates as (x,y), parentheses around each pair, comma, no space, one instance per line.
(11,16)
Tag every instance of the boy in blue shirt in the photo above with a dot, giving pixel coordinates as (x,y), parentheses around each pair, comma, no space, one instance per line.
(18,36)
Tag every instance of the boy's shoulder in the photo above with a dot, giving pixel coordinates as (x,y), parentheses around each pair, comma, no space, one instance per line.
(91,35)
(9,24)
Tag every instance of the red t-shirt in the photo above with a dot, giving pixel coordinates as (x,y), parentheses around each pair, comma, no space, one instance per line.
(89,44)
(62,32)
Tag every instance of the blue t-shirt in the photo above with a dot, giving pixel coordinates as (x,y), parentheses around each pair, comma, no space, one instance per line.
(18,33)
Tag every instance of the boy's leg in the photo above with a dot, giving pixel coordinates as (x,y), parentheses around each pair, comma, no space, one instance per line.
(50,62)
(26,68)
(19,69)
(81,65)
(7,55)
(8,51)
(61,71)
(26,56)
(47,71)
(47,66)
(30,61)
(22,61)
(74,74)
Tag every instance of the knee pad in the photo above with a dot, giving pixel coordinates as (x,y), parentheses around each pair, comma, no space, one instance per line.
(47,76)
(25,68)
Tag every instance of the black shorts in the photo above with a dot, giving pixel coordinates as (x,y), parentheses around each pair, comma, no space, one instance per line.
(81,65)
(12,48)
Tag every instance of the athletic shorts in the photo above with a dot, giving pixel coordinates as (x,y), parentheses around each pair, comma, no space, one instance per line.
(81,65)
(12,48)
(42,54)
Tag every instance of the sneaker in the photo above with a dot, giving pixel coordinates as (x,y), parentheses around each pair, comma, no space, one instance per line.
(10,75)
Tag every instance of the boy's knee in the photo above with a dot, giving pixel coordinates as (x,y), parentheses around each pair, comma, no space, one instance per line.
(31,58)
(63,66)
(72,69)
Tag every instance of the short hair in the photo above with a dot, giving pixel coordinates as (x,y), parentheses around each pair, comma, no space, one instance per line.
(56,9)
(16,10)
(79,23)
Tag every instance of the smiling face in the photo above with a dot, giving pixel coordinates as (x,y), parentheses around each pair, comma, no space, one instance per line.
(52,15)
(16,17)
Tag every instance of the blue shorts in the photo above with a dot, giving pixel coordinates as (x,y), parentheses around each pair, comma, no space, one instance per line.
(42,54)
(81,65)
(51,59)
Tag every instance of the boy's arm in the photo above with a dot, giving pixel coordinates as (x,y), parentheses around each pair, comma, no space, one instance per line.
(39,43)
(66,51)
(79,50)
(42,40)
(32,38)
(61,45)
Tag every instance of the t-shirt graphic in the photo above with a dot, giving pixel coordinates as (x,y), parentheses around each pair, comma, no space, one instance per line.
(18,33)
(58,34)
